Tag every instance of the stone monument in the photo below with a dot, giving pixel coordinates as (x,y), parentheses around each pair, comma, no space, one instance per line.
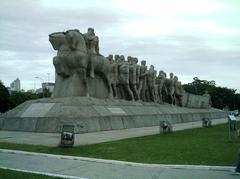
(96,93)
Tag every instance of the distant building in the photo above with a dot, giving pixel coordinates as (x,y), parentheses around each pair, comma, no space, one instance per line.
(31,91)
(39,90)
(15,85)
(49,86)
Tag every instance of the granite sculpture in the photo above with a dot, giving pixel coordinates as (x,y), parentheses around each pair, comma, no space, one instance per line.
(82,71)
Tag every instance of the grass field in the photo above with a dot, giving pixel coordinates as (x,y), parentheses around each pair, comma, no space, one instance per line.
(201,146)
(10,174)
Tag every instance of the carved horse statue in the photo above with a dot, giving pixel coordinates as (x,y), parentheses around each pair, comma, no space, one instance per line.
(72,57)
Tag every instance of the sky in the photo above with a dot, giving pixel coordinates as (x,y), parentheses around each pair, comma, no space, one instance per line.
(187,37)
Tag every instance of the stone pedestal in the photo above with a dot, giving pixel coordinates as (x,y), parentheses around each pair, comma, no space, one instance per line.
(92,115)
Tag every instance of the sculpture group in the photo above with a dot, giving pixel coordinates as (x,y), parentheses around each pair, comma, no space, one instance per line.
(78,61)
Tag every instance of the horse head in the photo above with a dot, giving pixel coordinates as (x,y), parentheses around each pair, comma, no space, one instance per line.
(57,39)
(76,40)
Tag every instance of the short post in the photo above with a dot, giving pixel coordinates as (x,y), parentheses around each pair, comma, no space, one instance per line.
(206,122)
(67,136)
(232,125)
(237,170)
(165,127)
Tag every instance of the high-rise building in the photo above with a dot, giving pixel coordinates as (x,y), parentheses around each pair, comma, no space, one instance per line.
(15,85)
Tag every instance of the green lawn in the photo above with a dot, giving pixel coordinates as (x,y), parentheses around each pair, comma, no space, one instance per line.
(202,146)
(10,174)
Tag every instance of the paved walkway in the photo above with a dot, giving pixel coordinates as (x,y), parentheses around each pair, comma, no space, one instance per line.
(81,167)
(53,139)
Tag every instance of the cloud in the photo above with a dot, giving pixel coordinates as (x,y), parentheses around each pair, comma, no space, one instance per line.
(189,38)
(153,8)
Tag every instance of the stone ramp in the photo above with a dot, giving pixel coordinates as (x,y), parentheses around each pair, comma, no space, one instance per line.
(53,139)
(93,115)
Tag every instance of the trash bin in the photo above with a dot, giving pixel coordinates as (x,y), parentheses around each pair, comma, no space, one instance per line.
(206,122)
(67,136)
(165,127)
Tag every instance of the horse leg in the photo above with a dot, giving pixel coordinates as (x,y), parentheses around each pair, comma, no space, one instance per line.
(85,82)
(114,89)
(110,91)
(129,92)
(160,94)
(60,67)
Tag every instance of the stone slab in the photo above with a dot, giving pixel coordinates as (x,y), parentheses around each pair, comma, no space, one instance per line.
(116,110)
(37,109)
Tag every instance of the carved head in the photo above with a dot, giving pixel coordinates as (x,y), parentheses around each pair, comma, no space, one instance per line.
(57,39)
(151,67)
(110,57)
(136,60)
(74,38)
(91,31)
(122,58)
(171,75)
(175,78)
(162,74)
(129,59)
(143,62)
(116,57)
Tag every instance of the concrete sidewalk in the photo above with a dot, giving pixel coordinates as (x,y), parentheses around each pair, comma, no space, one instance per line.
(105,169)
(53,139)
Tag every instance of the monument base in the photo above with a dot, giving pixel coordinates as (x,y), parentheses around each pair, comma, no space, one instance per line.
(89,114)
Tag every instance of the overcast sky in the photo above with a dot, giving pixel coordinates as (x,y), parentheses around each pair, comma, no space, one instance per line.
(187,37)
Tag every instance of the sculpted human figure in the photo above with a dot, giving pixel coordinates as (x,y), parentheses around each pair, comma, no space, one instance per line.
(142,80)
(151,81)
(117,58)
(170,88)
(92,43)
(135,61)
(161,88)
(124,79)
(119,87)
(113,75)
(133,76)
(178,94)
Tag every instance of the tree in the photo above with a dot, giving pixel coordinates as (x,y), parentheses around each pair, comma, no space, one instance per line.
(4,98)
(17,98)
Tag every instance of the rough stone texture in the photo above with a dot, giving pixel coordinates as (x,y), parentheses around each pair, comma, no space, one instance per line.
(195,101)
(82,71)
(92,115)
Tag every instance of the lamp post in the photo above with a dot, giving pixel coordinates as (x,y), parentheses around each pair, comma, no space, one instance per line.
(48,81)
(42,82)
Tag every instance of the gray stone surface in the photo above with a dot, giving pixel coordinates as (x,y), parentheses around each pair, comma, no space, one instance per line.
(52,139)
(116,110)
(82,71)
(107,169)
(92,114)
(196,101)
(37,110)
